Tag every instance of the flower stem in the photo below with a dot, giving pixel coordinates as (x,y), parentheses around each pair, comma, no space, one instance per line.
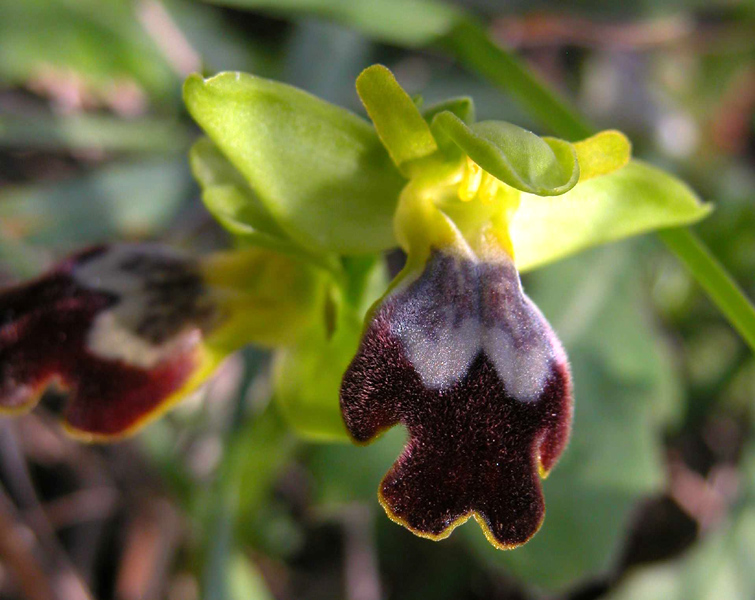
(474,49)
(714,279)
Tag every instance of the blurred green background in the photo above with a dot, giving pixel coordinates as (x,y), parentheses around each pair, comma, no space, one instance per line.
(655,497)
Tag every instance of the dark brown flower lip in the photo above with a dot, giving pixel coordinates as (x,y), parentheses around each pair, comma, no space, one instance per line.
(119,327)
(467,363)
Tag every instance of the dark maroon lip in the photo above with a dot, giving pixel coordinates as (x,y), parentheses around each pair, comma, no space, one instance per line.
(473,446)
(45,329)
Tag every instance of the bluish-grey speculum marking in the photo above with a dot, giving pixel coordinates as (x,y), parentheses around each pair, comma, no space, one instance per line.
(461,307)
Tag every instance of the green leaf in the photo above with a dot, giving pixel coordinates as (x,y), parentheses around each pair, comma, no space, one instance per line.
(231,201)
(404,22)
(398,122)
(719,567)
(320,170)
(93,132)
(630,201)
(256,455)
(625,391)
(103,43)
(519,158)
(124,200)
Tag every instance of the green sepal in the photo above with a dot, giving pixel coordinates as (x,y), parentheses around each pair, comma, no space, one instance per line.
(319,170)
(632,200)
(403,131)
(519,158)
(231,201)
(265,297)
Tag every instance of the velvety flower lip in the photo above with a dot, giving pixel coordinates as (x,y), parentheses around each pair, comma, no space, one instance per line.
(469,365)
(120,328)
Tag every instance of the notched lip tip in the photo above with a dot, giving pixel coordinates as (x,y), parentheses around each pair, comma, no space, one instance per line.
(371,439)
(486,531)
(31,402)
(498,545)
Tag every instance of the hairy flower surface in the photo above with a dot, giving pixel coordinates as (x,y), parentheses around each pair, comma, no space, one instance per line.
(468,364)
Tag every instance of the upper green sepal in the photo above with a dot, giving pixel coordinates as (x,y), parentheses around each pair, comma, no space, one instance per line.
(318,169)
(629,201)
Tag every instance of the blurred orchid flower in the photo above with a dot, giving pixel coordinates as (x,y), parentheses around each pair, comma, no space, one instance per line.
(129,330)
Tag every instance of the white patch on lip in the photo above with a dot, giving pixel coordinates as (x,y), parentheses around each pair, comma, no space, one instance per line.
(114,333)
(110,339)
(524,369)
(441,361)
(461,307)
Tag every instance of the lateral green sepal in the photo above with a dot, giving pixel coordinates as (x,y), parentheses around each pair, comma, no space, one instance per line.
(318,169)
(632,200)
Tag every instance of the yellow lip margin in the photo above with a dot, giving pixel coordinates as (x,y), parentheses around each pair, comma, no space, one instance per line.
(454,524)
(208,362)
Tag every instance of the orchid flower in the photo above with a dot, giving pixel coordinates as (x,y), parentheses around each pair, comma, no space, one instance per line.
(455,350)
(452,349)
(130,329)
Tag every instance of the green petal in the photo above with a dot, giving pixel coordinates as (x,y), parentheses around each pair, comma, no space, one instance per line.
(397,119)
(230,199)
(320,170)
(462,106)
(630,201)
(519,158)
(602,153)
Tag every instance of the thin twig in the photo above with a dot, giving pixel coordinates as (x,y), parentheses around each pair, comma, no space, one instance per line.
(16,551)
(67,582)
